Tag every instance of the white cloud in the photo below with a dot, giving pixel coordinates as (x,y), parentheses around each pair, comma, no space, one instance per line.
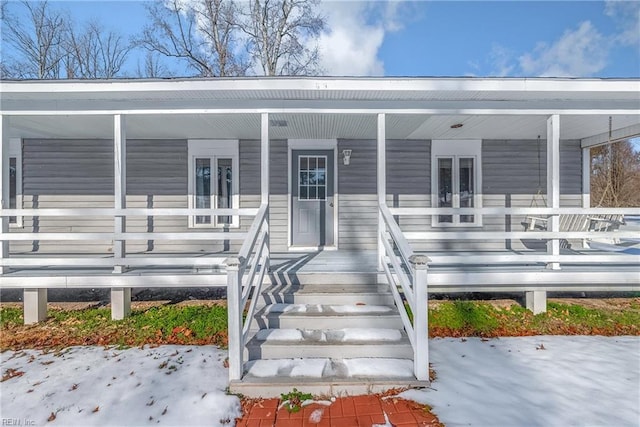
(580,52)
(355,32)
(502,60)
(627,15)
(350,46)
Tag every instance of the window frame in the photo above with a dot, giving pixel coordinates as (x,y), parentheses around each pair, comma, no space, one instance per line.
(15,151)
(308,186)
(214,149)
(456,149)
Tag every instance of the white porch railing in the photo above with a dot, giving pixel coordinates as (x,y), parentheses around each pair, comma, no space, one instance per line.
(245,275)
(411,273)
(127,260)
(480,234)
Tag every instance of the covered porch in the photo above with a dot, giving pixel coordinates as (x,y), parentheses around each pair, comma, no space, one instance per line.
(426,183)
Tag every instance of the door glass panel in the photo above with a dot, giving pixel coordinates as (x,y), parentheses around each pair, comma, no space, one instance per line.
(13,187)
(203,188)
(224,188)
(445,187)
(467,188)
(312,178)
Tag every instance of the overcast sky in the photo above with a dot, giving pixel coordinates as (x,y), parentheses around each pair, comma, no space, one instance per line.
(451,38)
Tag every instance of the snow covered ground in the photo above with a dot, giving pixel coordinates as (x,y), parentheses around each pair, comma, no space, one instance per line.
(535,381)
(529,381)
(168,385)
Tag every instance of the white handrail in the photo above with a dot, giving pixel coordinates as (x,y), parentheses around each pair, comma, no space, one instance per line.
(85,212)
(414,287)
(254,252)
(511,211)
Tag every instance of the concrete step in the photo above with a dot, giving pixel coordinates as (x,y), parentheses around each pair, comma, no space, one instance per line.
(315,343)
(326,294)
(320,316)
(325,376)
(322,278)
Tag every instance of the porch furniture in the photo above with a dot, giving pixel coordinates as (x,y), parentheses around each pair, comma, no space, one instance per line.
(576,222)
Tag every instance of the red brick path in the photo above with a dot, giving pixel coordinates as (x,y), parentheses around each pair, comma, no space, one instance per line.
(352,411)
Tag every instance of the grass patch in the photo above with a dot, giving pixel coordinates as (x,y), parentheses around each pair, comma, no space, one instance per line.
(169,324)
(482,319)
(207,324)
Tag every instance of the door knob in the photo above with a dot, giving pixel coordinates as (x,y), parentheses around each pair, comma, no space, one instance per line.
(331,204)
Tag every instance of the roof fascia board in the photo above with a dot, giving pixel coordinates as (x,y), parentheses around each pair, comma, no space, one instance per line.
(372,111)
(329,84)
(616,135)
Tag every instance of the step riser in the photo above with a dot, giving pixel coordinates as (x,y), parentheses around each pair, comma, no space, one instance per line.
(265,351)
(321,279)
(326,322)
(326,299)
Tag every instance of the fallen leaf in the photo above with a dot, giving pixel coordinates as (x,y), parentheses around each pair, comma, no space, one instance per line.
(165,410)
(96,409)
(11,373)
(51,417)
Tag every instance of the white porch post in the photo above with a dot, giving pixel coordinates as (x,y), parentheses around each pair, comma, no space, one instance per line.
(264,174)
(586,177)
(421,317)
(382,182)
(234,312)
(553,183)
(4,185)
(120,297)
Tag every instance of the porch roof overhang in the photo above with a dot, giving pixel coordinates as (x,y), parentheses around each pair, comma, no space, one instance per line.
(416,108)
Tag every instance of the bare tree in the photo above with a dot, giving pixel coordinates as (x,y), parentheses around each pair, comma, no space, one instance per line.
(615,175)
(200,32)
(280,35)
(38,41)
(95,52)
(153,67)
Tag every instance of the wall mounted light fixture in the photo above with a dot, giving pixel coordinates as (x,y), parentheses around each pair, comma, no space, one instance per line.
(346,156)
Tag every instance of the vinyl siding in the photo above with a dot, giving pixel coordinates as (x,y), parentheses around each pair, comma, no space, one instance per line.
(79,173)
(510,178)
(357,196)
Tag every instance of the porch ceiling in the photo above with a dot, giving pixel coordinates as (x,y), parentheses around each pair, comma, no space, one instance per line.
(315,126)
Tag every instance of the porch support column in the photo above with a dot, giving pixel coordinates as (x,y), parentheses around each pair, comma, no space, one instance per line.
(553,184)
(382,182)
(264,158)
(35,305)
(120,297)
(536,301)
(120,303)
(586,178)
(264,178)
(4,185)
(586,182)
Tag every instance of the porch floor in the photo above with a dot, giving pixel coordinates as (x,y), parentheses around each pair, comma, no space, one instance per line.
(342,267)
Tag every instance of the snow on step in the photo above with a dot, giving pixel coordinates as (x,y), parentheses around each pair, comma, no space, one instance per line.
(286,308)
(309,368)
(326,309)
(368,367)
(366,334)
(344,335)
(356,309)
(323,368)
(279,335)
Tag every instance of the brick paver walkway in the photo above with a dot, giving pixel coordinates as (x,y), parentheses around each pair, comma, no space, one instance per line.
(352,411)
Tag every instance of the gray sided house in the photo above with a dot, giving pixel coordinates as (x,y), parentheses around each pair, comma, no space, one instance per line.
(325,206)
